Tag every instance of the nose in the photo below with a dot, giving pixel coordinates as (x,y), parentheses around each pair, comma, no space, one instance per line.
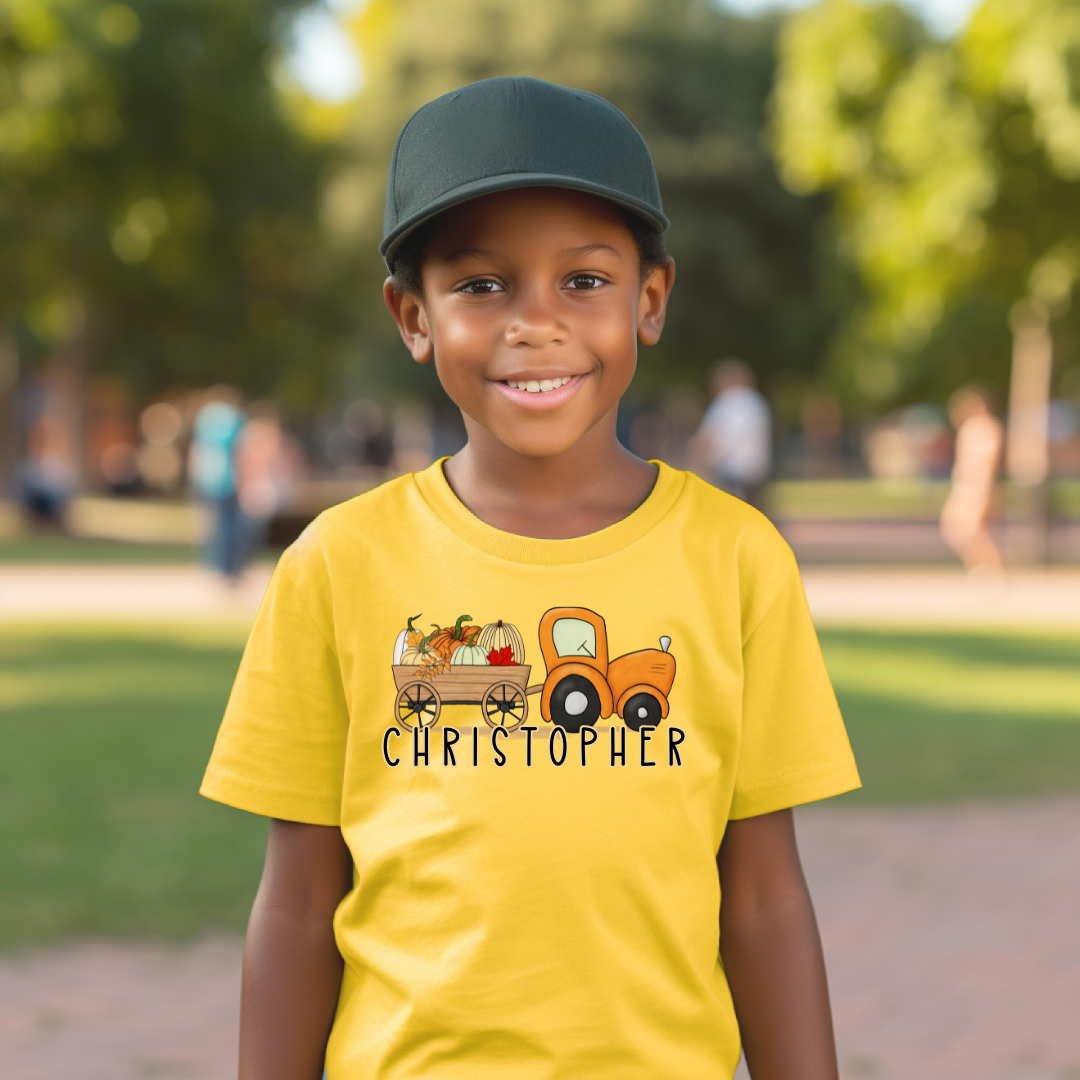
(535,322)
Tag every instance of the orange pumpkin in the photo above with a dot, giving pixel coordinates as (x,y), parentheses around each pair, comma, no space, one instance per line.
(447,639)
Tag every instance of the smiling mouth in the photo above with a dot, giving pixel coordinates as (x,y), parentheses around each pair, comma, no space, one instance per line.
(537,386)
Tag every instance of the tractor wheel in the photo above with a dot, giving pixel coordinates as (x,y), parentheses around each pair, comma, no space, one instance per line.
(574,703)
(642,710)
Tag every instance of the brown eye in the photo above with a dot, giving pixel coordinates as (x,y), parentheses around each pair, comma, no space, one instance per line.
(585,282)
(483,287)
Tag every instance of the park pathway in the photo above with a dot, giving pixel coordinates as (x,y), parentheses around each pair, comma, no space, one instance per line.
(951,933)
(1039,597)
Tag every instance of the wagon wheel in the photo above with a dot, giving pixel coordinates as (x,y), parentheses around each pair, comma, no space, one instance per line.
(418,705)
(505,706)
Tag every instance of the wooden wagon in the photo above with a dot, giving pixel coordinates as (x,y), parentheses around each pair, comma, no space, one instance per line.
(501,691)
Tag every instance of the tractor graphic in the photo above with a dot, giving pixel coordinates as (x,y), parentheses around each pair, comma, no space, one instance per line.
(582,686)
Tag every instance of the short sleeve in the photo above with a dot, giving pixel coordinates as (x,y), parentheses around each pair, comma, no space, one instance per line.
(793,746)
(281,747)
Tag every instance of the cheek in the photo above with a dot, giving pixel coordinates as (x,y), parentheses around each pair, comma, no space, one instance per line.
(610,332)
(462,337)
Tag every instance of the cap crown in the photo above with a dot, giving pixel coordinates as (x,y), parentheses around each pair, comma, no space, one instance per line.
(509,133)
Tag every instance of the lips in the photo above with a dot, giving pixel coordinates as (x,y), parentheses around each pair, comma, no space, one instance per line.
(531,393)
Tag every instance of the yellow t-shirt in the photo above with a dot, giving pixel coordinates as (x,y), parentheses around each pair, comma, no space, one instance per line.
(529,901)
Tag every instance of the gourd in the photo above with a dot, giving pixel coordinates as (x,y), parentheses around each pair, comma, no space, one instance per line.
(421,652)
(500,635)
(468,654)
(447,639)
(402,640)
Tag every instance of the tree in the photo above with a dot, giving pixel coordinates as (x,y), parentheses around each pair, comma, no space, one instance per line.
(955,169)
(158,214)
(694,80)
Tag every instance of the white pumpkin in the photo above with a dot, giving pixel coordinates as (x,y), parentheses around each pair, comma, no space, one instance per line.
(468,654)
(400,645)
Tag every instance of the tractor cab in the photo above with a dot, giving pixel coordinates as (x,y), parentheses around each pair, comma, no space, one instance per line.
(582,687)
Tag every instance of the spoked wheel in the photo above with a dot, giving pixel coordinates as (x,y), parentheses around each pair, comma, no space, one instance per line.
(418,705)
(505,706)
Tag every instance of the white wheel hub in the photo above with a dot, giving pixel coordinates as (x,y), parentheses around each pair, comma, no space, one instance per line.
(576,703)
(642,713)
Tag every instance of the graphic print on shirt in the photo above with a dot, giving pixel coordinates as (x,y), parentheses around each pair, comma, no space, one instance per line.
(472,665)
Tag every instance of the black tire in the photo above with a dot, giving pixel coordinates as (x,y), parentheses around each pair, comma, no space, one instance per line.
(575,718)
(642,710)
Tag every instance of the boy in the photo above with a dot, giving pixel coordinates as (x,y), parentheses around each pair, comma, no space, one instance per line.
(532,888)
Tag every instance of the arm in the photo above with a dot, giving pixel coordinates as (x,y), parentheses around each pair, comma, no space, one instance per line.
(292,968)
(772,953)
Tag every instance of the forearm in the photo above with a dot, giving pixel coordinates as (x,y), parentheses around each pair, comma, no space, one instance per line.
(776,972)
(292,975)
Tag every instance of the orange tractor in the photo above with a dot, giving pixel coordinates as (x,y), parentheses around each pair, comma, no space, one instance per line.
(582,686)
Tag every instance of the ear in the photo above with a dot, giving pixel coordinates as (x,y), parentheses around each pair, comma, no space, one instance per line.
(652,305)
(412,322)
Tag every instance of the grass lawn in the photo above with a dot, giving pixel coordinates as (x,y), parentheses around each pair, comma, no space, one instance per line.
(105,730)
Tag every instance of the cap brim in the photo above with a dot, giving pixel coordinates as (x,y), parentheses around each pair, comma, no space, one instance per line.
(474,189)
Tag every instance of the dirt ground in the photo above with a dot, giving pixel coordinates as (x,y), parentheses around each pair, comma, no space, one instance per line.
(952,936)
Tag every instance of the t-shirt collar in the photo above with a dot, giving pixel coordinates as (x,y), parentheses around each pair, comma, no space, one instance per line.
(440,497)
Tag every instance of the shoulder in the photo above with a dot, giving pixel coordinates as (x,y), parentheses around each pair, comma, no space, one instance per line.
(340,534)
(737,541)
(731,522)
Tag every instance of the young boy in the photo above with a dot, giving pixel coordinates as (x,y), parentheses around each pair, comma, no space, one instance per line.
(502,827)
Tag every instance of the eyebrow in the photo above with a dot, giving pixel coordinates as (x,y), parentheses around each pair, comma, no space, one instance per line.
(589,249)
(470,253)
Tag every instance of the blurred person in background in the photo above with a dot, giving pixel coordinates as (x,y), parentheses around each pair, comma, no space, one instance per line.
(46,479)
(735,436)
(969,506)
(269,471)
(213,473)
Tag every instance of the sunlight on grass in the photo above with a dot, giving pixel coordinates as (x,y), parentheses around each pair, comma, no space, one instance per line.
(105,730)
(928,673)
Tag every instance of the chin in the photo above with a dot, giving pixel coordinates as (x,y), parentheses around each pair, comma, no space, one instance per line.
(543,444)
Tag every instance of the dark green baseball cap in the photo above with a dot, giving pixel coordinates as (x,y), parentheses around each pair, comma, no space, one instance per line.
(511,133)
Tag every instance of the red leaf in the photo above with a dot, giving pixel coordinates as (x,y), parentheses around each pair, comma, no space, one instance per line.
(501,657)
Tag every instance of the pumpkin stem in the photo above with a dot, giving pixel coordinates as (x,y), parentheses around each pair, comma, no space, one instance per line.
(457,626)
(410,626)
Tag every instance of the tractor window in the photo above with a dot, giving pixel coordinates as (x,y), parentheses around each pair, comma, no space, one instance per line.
(574,637)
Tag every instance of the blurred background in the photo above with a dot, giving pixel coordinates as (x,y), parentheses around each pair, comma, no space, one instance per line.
(873,338)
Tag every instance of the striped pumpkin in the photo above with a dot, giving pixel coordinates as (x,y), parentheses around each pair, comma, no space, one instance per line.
(500,635)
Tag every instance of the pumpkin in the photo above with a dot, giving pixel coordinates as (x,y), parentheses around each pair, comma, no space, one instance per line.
(468,654)
(449,638)
(403,641)
(500,635)
(421,652)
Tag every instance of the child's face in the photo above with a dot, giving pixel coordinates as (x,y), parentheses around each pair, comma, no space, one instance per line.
(540,287)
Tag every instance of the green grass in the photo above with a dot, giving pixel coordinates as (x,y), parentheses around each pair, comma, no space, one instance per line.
(105,731)
(104,734)
(57,548)
(942,715)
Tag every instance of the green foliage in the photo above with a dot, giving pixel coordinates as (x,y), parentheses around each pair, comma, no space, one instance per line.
(157,211)
(955,169)
(695,81)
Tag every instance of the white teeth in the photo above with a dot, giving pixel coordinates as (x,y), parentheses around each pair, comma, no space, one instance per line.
(542,386)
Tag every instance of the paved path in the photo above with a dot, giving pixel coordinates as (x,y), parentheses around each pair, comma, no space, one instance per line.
(951,933)
(1031,597)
